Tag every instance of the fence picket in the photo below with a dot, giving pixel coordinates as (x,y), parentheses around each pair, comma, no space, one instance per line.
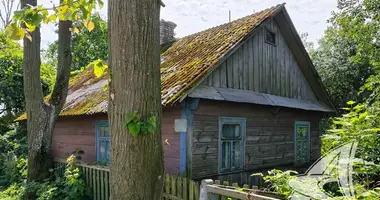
(179,186)
(185,189)
(106,179)
(96,180)
(191,190)
(173,185)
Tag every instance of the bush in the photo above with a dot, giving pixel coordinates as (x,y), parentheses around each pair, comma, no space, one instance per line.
(278,181)
(14,192)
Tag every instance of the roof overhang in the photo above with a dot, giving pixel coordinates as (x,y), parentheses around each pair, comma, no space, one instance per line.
(246,96)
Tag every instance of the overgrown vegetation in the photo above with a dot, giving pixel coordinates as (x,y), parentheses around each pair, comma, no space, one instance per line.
(69,187)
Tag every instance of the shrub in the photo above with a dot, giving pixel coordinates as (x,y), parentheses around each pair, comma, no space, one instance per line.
(278,181)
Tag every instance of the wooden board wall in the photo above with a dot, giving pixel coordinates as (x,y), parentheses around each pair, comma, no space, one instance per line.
(79,132)
(269,135)
(264,68)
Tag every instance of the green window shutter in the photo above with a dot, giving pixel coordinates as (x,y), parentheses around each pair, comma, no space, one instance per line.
(302,142)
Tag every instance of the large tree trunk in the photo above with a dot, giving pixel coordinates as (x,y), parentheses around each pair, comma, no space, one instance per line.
(134,59)
(41,116)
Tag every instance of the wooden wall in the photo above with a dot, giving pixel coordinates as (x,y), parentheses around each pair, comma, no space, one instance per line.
(264,68)
(171,150)
(269,135)
(75,132)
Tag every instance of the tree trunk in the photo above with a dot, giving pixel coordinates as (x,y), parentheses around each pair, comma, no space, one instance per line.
(41,116)
(134,58)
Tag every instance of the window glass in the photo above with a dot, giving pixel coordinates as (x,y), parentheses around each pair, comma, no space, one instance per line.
(231,143)
(231,130)
(103,142)
(104,131)
(225,155)
(235,162)
(102,150)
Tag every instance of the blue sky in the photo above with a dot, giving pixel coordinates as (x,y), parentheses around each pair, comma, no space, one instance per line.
(196,15)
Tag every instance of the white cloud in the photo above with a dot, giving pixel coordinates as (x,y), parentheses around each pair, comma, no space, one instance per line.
(196,15)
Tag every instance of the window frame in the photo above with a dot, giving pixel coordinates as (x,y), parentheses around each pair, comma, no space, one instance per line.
(99,138)
(242,123)
(305,123)
(275,37)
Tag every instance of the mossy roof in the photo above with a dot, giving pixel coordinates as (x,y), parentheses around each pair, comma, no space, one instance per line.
(183,65)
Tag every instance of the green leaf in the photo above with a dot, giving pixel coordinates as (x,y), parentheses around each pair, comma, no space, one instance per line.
(31,27)
(129,117)
(351,102)
(134,128)
(14,32)
(99,68)
(90,26)
(101,4)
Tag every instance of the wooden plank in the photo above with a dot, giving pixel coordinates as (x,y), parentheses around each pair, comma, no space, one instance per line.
(226,192)
(245,59)
(98,184)
(216,77)
(173,185)
(223,75)
(167,184)
(236,70)
(196,190)
(251,73)
(102,188)
(256,63)
(179,186)
(185,189)
(230,70)
(191,190)
(106,178)
(94,184)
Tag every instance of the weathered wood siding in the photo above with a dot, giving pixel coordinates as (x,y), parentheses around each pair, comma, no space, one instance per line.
(262,67)
(79,132)
(76,132)
(171,150)
(269,135)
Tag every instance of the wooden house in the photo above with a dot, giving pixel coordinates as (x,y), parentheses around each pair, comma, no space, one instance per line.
(247,89)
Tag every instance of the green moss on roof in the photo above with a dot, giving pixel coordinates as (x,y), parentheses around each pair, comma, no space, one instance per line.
(183,64)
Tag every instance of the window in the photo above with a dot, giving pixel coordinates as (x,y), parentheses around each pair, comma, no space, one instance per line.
(102,142)
(302,142)
(270,37)
(231,144)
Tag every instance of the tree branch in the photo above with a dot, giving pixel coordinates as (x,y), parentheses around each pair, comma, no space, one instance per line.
(60,90)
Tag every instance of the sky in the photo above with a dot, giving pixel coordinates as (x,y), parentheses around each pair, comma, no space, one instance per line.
(192,16)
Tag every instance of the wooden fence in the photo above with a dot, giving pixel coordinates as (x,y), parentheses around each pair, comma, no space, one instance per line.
(211,190)
(97,180)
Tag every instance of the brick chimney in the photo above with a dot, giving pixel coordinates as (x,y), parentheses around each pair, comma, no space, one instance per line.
(166,31)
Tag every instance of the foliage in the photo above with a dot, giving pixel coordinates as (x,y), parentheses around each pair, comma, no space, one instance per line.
(136,126)
(12,98)
(99,67)
(14,192)
(32,17)
(70,187)
(13,170)
(87,46)
(278,181)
